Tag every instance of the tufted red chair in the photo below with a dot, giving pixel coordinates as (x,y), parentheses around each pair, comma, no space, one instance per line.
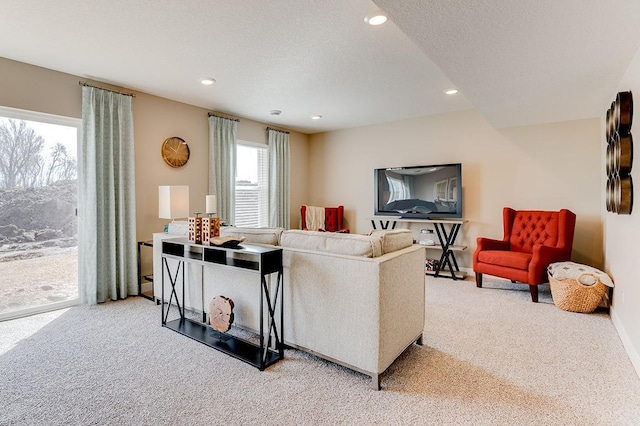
(333,218)
(532,240)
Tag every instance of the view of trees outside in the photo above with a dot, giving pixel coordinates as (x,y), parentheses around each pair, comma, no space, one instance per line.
(38,224)
(24,162)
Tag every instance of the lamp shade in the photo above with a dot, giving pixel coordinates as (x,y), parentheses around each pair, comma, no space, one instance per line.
(173,201)
(211,204)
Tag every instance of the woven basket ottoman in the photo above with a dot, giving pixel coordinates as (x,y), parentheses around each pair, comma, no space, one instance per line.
(576,287)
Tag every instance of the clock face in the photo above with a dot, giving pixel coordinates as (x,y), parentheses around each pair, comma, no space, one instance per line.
(175,152)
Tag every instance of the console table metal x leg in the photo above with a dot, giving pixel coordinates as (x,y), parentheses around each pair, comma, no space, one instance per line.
(447,258)
(271,300)
(173,281)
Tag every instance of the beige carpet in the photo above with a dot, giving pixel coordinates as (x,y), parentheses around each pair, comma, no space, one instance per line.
(491,356)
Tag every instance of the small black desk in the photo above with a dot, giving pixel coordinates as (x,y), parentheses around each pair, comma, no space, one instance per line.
(144,278)
(264,261)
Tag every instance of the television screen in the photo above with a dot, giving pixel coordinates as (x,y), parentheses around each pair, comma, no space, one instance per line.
(421,192)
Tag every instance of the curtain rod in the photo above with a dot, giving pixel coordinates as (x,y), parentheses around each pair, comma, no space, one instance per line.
(84,83)
(219,116)
(276,130)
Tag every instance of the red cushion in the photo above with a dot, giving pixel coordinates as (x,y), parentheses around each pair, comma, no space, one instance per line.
(509,259)
(331,219)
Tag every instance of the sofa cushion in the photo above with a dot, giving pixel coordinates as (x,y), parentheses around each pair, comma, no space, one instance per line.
(393,239)
(329,242)
(254,235)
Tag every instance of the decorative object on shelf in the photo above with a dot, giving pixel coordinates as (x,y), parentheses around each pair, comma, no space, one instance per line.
(195,229)
(210,229)
(431,265)
(221,313)
(229,241)
(173,202)
(619,154)
(426,237)
(175,152)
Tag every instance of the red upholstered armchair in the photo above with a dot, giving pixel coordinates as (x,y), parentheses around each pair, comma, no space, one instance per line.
(333,217)
(532,240)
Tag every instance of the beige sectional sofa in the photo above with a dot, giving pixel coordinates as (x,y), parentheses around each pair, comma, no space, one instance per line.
(356,300)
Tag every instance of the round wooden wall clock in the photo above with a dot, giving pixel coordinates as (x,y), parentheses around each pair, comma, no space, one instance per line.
(175,152)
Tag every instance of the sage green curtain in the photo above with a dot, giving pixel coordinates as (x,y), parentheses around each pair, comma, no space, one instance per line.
(222,165)
(279,186)
(106,198)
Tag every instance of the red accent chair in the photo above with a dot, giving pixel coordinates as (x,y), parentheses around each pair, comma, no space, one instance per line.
(533,239)
(333,218)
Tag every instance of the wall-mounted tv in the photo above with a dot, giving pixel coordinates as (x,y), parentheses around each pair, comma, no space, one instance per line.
(419,192)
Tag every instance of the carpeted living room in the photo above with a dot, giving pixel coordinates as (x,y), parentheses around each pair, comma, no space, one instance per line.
(383,296)
(489,357)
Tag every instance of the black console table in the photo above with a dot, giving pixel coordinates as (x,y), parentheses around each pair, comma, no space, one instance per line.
(261,259)
(447,232)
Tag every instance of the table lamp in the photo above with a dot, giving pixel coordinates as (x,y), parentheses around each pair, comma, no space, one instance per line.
(173,202)
(211,206)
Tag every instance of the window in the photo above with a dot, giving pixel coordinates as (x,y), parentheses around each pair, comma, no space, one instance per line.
(38,224)
(252,185)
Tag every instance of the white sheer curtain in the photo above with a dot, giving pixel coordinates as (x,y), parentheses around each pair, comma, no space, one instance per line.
(279,170)
(222,164)
(107,214)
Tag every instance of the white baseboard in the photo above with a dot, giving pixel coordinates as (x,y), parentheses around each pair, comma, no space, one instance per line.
(634,356)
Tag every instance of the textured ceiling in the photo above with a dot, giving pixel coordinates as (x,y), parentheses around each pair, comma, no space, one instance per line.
(517,62)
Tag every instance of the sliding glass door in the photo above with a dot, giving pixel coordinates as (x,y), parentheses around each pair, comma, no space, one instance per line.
(38,212)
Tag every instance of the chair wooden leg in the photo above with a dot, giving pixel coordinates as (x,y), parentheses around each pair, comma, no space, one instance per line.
(534,292)
(478,280)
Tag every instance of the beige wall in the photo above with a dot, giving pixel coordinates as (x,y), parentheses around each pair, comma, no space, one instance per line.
(549,166)
(157,119)
(622,239)
(33,88)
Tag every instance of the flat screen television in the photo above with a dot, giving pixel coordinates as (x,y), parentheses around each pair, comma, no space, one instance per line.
(419,192)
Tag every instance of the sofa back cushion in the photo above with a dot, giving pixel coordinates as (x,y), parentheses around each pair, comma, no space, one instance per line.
(393,239)
(329,242)
(254,235)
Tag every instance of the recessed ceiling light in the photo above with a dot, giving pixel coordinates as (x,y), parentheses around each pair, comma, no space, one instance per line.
(275,112)
(376,18)
(316,117)
(207,81)
(451,91)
